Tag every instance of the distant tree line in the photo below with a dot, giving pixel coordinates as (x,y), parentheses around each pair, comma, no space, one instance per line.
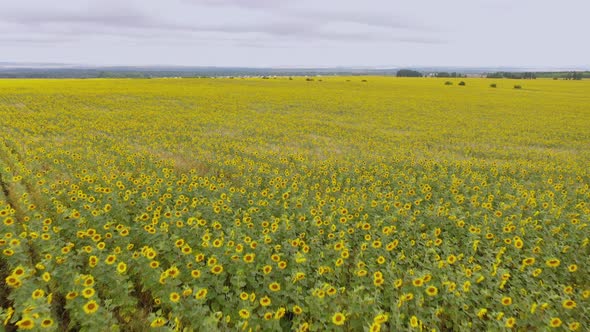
(408,73)
(446,74)
(172,71)
(566,75)
(574,75)
(504,74)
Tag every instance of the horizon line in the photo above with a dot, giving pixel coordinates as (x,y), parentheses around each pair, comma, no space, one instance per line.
(63,65)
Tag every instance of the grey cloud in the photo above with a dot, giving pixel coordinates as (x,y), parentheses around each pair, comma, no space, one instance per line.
(102,17)
(280,22)
(36,41)
(456,30)
(240,3)
(371,19)
(142,26)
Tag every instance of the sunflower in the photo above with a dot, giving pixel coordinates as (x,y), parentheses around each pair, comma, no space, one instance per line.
(13,281)
(47,322)
(212,261)
(18,271)
(8,221)
(275,287)
(510,322)
(88,292)
(378,282)
(338,318)
(37,293)
(110,259)
(553,262)
(375,327)
(506,300)
(25,324)
(298,276)
(265,301)
(451,259)
(320,293)
(482,313)
(174,297)
(249,258)
(173,272)
(280,313)
(201,294)
(331,291)
(555,322)
(196,274)
(245,314)
(432,291)
(90,307)
(569,304)
(121,267)
(528,261)
(158,322)
(151,254)
(381,318)
(217,269)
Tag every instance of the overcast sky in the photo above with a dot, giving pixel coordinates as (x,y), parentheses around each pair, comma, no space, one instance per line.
(530,33)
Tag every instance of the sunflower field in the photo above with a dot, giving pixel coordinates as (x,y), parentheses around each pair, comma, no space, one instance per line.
(332,204)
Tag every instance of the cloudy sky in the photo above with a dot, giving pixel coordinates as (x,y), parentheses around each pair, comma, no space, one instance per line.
(530,33)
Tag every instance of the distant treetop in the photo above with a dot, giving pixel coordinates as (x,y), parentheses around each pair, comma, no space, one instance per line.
(408,73)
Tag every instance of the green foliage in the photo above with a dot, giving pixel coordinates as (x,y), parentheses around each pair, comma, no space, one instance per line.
(513,75)
(408,73)
(446,74)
